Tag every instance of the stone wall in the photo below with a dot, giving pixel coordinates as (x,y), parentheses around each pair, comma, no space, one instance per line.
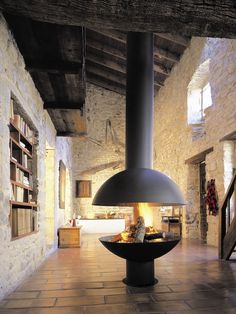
(19,258)
(99,154)
(174,140)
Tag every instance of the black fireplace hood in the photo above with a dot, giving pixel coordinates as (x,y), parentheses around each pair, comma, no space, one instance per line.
(139,183)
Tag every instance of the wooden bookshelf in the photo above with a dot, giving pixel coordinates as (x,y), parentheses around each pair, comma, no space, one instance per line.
(23,203)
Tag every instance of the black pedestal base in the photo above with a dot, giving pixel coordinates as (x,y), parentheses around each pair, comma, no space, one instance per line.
(140,274)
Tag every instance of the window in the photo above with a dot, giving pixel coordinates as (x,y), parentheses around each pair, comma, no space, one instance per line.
(83,188)
(199,95)
(205,99)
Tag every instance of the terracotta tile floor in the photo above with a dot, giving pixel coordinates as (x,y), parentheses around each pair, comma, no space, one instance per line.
(88,280)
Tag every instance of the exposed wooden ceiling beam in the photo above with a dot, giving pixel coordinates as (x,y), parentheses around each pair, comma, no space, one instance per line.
(177,39)
(116,77)
(161,69)
(103,60)
(164,54)
(63,105)
(121,55)
(113,76)
(107,49)
(157,81)
(107,84)
(185,17)
(159,52)
(52,66)
(119,66)
(114,34)
(57,119)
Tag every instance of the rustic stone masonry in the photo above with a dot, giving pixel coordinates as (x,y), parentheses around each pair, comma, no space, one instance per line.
(98,156)
(101,153)
(19,258)
(174,141)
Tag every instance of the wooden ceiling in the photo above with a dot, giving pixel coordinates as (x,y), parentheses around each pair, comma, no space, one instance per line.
(68,43)
(55,57)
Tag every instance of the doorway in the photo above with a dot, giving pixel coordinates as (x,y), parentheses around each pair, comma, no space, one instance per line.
(50,227)
(202,194)
(197,192)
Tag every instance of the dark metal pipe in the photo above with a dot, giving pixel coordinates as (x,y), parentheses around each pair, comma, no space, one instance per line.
(140,274)
(139,182)
(139,100)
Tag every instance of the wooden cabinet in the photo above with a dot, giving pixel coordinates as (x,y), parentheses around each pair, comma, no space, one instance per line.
(69,237)
(23,197)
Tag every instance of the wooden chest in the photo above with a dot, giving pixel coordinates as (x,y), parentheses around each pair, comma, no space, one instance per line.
(69,237)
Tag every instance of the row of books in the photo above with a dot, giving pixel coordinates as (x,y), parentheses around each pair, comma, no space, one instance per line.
(16,155)
(22,178)
(20,123)
(26,162)
(22,221)
(24,146)
(21,194)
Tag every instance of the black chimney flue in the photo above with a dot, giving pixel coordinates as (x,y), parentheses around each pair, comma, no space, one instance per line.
(139,100)
(139,183)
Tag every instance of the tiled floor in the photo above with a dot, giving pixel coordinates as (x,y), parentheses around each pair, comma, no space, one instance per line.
(88,280)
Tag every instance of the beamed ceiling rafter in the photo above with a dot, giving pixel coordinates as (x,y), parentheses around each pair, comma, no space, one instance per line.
(68,43)
(185,17)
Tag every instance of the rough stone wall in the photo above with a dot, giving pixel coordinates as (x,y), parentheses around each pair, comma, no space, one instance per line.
(100,154)
(21,257)
(174,137)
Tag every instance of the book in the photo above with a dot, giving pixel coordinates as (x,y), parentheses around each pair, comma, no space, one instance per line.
(12,109)
(12,193)
(22,144)
(16,120)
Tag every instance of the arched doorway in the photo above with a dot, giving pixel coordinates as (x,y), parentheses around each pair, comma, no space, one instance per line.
(50,226)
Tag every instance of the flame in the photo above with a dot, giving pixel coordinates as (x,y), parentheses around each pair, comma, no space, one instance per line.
(143,209)
(129,234)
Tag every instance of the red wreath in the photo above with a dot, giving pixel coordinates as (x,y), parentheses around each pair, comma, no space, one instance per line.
(212,198)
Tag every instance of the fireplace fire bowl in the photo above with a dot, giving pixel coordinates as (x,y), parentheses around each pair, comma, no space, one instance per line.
(140,258)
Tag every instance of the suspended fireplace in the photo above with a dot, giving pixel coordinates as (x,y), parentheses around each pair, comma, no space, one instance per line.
(139,183)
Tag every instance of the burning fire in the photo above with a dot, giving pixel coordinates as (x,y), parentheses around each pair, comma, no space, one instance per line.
(141,228)
(143,210)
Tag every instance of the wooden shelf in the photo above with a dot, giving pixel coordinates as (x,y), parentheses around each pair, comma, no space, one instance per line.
(20,132)
(21,147)
(23,235)
(27,187)
(23,204)
(20,166)
(24,214)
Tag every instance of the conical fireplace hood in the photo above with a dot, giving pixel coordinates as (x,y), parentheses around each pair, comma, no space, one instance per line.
(139,183)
